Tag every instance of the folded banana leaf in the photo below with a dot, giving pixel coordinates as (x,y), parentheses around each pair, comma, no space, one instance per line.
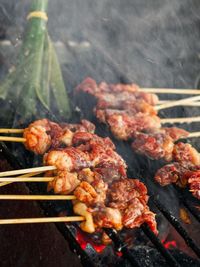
(35,88)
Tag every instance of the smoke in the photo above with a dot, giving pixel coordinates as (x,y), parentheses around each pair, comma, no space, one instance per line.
(154,42)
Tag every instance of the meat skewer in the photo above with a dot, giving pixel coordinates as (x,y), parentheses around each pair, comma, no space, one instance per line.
(44,134)
(120,94)
(138,122)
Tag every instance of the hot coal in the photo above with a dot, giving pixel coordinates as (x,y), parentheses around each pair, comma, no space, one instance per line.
(147,256)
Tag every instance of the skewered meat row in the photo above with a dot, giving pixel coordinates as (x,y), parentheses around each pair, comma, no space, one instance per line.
(124,126)
(43,134)
(114,95)
(96,174)
(130,119)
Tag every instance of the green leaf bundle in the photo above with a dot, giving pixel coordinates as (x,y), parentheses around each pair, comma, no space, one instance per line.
(36,83)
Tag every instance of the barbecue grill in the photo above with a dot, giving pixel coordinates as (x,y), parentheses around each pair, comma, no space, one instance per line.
(144,248)
(123,253)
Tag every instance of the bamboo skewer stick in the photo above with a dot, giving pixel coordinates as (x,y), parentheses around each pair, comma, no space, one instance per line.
(171,91)
(194,134)
(12,139)
(177,103)
(180,120)
(43,220)
(28,170)
(5,183)
(5,130)
(192,104)
(26,179)
(22,176)
(37,197)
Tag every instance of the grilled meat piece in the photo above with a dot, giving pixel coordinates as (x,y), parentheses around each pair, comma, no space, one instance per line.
(116,100)
(86,175)
(170,173)
(37,136)
(92,193)
(90,86)
(107,217)
(68,159)
(137,213)
(90,140)
(81,209)
(123,191)
(186,154)
(154,146)
(83,126)
(138,106)
(43,134)
(128,107)
(101,150)
(130,197)
(111,173)
(86,193)
(124,127)
(64,182)
(175,133)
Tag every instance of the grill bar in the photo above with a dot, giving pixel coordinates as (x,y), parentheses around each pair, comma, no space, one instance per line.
(155,240)
(187,204)
(121,246)
(74,245)
(192,210)
(176,224)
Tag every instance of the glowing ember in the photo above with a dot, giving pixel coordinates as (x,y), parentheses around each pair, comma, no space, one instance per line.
(169,244)
(119,253)
(84,240)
